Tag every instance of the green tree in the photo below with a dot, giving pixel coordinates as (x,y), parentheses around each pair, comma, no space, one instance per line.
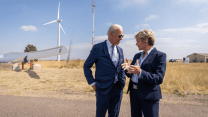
(30,48)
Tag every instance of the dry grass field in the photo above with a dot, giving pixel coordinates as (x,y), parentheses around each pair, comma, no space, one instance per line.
(56,77)
(186,79)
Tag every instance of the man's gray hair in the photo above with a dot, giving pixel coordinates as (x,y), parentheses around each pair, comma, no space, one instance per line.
(146,34)
(114,27)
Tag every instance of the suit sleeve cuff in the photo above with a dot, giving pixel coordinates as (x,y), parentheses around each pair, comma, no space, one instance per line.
(92,84)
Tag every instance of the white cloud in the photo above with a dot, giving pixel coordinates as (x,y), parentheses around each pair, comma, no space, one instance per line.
(128,3)
(202,25)
(188,29)
(204,9)
(151,17)
(80,50)
(29,28)
(104,37)
(164,39)
(109,23)
(129,48)
(178,49)
(128,36)
(172,41)
(1,56)
(82,46)
(199,28)
(101,38)
(137,26)
(192,1)
(145,25)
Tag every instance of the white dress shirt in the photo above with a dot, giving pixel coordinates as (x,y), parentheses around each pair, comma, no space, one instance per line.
(135,77)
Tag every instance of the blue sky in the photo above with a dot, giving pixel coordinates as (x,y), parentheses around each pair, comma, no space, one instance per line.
(180,26)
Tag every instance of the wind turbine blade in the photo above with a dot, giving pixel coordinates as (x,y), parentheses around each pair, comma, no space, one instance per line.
(50,22)
(58,11)
(62,29)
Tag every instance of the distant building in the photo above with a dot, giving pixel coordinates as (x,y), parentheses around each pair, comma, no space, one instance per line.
(198,57)
(186,60)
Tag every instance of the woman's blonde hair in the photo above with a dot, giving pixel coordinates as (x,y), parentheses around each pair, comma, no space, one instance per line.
(146,34)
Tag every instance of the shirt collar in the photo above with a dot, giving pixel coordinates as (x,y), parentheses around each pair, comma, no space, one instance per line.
(108,43)
(148,51)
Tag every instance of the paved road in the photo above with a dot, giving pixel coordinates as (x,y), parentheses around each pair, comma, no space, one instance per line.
(16,106)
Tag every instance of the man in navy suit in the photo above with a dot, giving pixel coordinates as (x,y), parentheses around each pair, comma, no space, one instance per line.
(146,73)
(109,78)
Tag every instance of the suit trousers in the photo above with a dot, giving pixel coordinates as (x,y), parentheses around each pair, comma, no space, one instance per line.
(110,102)
(149,108)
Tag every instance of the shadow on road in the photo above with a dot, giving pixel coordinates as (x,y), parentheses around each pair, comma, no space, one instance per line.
(32,74)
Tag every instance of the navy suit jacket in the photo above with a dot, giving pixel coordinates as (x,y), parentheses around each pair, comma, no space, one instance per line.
(153,72)
(105,70)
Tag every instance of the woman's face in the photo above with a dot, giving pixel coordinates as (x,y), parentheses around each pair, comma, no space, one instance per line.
(141,45)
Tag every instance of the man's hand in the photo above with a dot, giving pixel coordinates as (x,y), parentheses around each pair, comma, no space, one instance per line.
(134,69)
(126,65)
(94,87)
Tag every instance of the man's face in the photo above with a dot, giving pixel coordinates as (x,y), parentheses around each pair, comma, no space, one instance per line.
(140,44)
(115,40)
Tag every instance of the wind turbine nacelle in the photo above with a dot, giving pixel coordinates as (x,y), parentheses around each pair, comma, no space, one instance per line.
(59,20)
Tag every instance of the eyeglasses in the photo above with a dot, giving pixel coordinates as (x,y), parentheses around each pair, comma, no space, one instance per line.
(119,36)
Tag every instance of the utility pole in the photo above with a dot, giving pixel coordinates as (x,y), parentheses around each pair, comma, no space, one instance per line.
(93,11)
(67,61)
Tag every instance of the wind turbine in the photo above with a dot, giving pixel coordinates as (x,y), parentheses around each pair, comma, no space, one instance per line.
(59,25)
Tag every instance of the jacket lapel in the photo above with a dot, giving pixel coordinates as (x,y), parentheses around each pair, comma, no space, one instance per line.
(137,57)
(151,54)
(120,55)
(105,48)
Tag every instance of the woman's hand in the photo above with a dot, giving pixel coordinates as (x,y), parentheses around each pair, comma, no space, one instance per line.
(126,65)
(134,69)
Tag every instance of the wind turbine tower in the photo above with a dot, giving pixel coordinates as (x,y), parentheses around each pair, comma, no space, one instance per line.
(59,25)
(93,9)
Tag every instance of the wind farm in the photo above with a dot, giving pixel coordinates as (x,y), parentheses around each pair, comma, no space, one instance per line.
(15,57)
(59,26)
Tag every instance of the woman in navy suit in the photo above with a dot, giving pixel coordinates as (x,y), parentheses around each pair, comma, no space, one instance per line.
(146,73)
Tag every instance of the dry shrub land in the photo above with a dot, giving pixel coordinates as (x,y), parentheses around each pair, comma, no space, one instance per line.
(56,78)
